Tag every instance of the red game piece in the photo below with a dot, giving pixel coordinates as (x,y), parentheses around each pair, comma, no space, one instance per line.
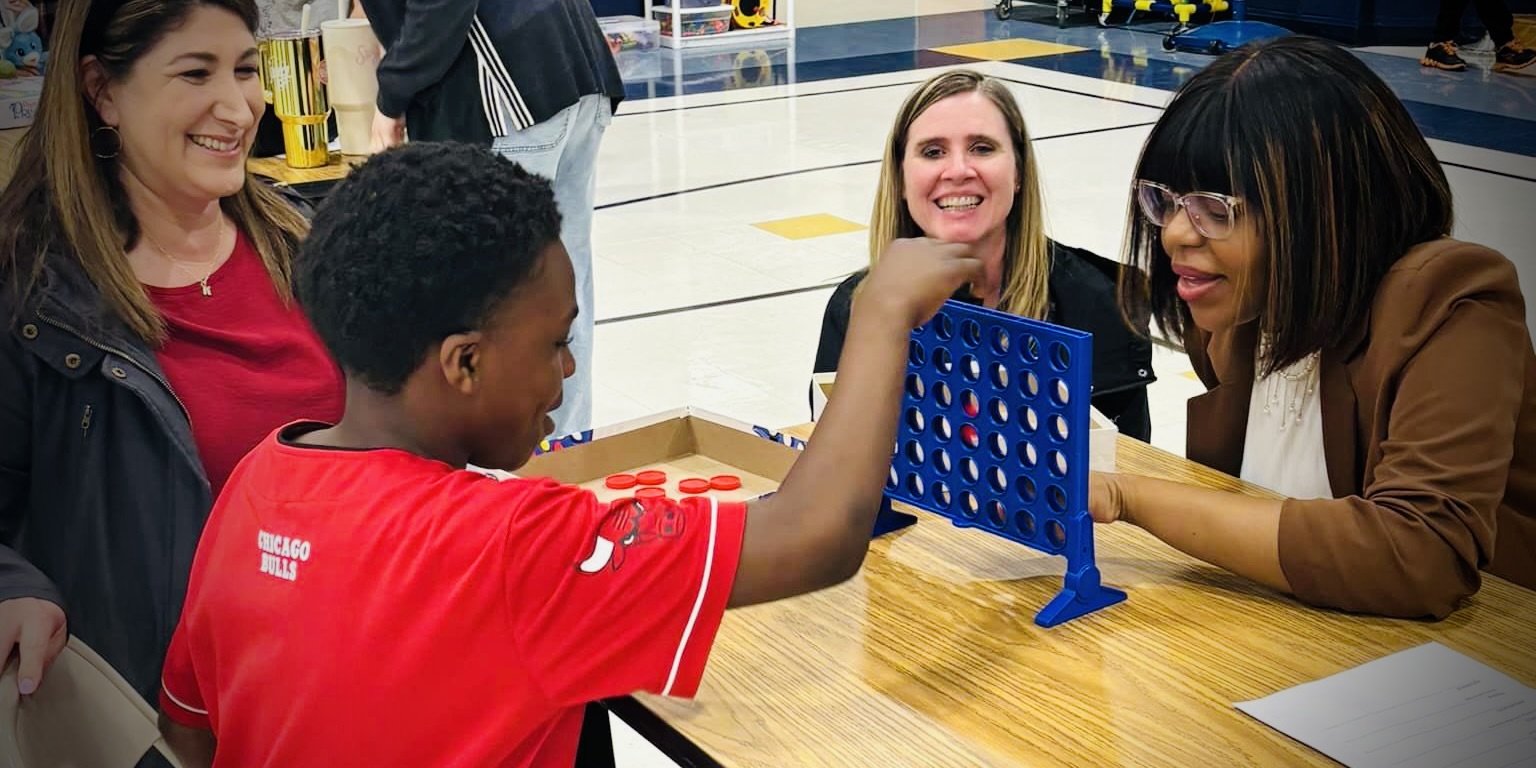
(693,485)
(651,477)
(647,494)
(725,482)
(620,482)
(969,436)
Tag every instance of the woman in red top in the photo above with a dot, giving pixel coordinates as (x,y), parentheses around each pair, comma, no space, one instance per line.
(150,334)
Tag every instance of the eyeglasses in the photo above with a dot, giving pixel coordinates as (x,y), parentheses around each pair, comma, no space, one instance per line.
(1212,213)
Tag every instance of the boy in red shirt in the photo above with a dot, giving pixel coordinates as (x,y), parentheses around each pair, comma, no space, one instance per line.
(358,598)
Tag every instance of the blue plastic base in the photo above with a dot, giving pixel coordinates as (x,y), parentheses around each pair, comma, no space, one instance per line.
(888,519)
(1082,595)
(1221,36)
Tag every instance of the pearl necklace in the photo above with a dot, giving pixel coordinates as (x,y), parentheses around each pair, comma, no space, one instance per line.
(1295,385)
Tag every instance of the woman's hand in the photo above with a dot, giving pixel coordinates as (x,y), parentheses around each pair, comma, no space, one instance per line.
(1106,497)
(1230,530)
(38,631)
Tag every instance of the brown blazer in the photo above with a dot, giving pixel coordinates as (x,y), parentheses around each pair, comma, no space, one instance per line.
(1429,436)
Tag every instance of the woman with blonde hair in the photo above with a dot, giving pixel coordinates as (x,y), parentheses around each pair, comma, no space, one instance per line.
(958,167)
(150,338)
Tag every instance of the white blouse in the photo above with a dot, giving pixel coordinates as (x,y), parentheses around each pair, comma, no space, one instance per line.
(1283,448)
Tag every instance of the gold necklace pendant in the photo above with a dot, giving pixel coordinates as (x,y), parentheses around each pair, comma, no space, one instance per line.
(202,280)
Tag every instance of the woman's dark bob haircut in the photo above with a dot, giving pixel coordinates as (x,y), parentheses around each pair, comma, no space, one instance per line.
(1334,175)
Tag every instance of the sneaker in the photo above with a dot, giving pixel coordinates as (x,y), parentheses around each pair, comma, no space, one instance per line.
(1512,57)
(1443,56)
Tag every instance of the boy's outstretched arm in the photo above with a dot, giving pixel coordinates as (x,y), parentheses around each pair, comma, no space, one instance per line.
(815,531)
(192,746)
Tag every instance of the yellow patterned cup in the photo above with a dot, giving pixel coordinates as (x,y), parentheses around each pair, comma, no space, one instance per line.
(292,81)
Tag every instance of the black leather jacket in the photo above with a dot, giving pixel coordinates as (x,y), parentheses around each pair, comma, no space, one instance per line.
(1082,296)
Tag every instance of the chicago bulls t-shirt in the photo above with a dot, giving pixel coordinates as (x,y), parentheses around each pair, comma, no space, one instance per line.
(379,608)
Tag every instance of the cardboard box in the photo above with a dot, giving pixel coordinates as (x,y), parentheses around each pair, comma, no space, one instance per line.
(684,443)
(18,100)
(1103,442)
(821,392)
(1103,435)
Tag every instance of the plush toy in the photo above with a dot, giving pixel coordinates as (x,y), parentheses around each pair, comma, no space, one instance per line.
(749,14)
(20,44)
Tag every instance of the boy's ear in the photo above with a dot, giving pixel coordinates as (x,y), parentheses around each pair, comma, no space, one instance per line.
(459,358)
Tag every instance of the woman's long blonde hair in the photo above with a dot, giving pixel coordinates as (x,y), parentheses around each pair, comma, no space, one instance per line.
(1026,252)
(63,201)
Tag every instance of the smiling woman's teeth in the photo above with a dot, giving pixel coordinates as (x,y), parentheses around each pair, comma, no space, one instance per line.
(959,203)
(213,144)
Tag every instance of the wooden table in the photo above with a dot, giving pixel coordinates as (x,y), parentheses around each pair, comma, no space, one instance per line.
(271,167)
(930,657)
(276,168)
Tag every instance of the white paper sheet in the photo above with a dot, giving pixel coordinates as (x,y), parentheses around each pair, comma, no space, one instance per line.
(1426,707)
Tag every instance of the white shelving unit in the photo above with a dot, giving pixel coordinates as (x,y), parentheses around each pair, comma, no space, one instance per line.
(782,29)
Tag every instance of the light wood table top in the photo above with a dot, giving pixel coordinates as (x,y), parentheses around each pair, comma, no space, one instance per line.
(271,167)
(931,657)
(275,168)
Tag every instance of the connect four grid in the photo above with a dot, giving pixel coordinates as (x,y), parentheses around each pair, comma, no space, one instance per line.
(994,435)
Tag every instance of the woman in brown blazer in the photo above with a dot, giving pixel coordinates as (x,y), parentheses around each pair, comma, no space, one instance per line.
(1292,223)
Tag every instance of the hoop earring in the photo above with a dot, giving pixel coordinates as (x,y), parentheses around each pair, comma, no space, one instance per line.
(117,140)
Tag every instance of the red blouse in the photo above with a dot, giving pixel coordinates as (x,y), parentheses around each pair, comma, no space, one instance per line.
(242,361)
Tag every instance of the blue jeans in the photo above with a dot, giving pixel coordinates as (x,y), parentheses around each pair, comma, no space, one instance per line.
(563,149)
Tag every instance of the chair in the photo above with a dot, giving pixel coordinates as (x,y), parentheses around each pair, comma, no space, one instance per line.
(84,715)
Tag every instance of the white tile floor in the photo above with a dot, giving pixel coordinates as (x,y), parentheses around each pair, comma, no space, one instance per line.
(809,13)
(725,161)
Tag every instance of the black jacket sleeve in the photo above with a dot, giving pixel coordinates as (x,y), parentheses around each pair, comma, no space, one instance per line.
(834,328)
(834,324)
(1130,410)
(432,35)
(1083,297)
(18,578)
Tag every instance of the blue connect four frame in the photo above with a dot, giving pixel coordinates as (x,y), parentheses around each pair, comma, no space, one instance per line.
(994,435)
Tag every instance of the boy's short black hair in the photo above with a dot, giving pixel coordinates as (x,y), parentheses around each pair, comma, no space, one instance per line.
(420,242)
